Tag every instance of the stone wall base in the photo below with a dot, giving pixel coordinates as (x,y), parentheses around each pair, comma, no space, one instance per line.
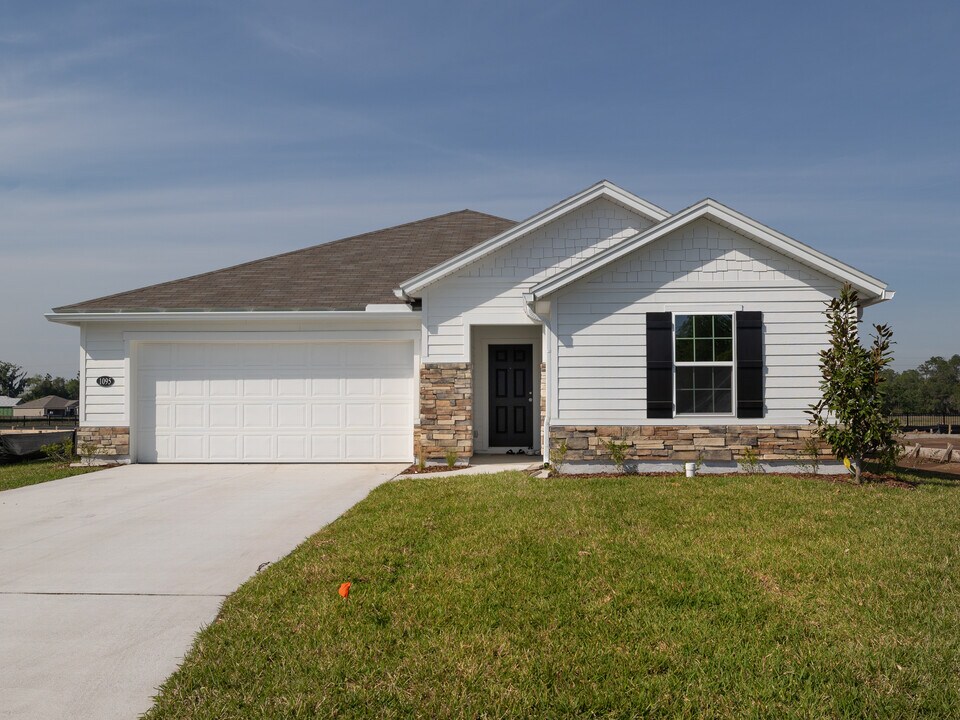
(103,445)
(689,443)
(446,411)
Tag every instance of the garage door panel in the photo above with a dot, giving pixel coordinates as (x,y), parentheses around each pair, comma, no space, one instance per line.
(360,386)
(224,448)
(187,389)
(326,387)
(395,416)
(257,416)
(299,402)
(189,416)
(360,446)
(257,387)
(224,416)
(189,447)
(398,387)
(292,447)
(292,416)
(394,444)
(361,415)
(223,387)
(326,415)
(292,387)
(259,447)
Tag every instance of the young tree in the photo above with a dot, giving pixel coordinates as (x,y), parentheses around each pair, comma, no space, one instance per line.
(850,415)
(13,379)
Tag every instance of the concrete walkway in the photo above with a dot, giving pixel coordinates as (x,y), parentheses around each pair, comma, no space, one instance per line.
(106,578)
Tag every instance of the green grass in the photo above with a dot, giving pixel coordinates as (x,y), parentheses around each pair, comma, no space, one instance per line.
(32,472)
(505,596)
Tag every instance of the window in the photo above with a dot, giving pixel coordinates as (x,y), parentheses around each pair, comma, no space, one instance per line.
(703,355)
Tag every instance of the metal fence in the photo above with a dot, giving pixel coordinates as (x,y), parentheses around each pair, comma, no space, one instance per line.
(37,423)
(939,422)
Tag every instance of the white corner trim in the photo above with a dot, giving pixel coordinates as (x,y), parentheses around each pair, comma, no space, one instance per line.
(711,209)
(603,188)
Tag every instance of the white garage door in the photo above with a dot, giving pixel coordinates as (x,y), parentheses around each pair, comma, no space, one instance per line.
(281,402)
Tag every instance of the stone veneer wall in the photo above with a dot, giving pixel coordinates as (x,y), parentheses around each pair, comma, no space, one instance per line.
(103,444)
(446,410)
(664,443)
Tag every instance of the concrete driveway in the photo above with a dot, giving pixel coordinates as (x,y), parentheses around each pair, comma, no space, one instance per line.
(106,578)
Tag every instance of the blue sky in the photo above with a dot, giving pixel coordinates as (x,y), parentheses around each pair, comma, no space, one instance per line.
(141,142)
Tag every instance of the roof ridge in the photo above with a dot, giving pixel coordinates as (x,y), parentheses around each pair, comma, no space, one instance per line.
(247,263)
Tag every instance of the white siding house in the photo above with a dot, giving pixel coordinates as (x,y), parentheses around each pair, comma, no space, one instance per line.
(603,317)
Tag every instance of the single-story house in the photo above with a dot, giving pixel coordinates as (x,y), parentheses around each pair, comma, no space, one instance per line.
(50,406)
(6,405)
(687,335)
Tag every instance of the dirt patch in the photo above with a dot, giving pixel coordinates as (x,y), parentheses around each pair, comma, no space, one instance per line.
(931,464)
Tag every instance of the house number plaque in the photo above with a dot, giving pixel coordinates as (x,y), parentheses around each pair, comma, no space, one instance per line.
(105,381)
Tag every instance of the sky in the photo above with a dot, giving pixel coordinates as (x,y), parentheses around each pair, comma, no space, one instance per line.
(142,142)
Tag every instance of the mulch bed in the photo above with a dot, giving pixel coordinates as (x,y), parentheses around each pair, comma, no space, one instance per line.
(415,470)
(868,479)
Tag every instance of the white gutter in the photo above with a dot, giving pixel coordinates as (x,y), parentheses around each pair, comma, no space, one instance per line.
(381,313)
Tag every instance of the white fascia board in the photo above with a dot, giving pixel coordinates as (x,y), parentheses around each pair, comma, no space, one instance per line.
(711,209)
(76,318)
(604,188)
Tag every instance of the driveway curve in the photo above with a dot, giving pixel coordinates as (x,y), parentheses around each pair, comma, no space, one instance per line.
(106,578)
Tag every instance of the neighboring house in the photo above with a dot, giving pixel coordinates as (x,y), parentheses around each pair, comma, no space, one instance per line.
(6,405)
(50,406)
(602,317)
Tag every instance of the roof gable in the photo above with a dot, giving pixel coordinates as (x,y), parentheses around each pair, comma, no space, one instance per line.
(873,290)
(346,274)
(602,189)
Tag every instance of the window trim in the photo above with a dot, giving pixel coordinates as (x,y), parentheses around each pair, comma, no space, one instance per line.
(732,364)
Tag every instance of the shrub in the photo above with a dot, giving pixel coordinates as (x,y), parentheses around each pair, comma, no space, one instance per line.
(451,458)
(558,454)
(60,451)
(810,456)
(617,452)
(750,461)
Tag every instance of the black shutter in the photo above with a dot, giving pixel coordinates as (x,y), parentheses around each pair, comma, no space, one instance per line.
(749,364)
(659,365)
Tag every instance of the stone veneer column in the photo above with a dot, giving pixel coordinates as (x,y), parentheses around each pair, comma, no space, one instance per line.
(446,410)
(99,445)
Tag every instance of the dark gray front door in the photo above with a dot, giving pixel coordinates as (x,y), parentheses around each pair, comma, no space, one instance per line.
(511,396)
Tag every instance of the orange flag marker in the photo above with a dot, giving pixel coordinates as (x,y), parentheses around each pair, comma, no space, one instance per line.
(344,589)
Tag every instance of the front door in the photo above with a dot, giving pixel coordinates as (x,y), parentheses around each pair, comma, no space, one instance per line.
(511,396)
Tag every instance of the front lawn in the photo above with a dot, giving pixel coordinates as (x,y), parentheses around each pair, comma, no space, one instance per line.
(505,596)
(31,472)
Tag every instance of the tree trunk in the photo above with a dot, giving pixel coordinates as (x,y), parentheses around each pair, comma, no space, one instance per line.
(857,468)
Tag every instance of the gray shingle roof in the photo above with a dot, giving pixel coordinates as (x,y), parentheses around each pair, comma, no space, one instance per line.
(49,402)
(344,274)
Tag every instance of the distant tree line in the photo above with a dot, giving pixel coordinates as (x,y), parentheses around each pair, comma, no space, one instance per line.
(932,388)
(14,382)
